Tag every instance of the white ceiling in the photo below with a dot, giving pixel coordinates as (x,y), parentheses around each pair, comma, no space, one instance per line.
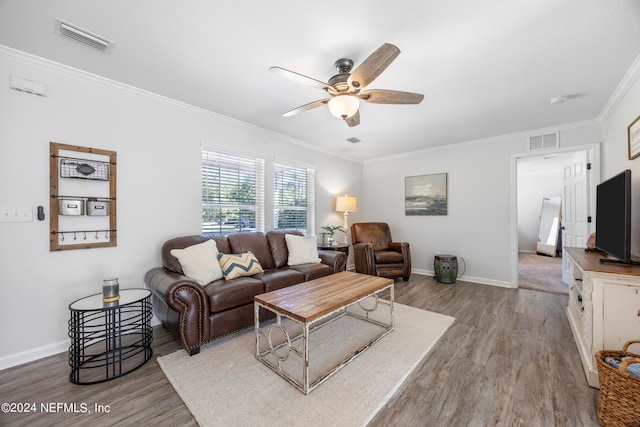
(486,68)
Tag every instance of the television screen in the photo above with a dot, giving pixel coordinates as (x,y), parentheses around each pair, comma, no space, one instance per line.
(613,216)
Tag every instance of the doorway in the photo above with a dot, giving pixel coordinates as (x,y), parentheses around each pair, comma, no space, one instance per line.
(536,177)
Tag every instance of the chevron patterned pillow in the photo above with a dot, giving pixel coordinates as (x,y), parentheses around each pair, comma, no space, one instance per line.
(238,265)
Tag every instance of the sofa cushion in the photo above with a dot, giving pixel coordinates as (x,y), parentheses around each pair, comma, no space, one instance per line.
(239,265)
(170,262)
(200,262)
(313,271)
(278,245)
(223,244)
(386,257)
(302,250)
(255,242)
(278,278)
(227,294)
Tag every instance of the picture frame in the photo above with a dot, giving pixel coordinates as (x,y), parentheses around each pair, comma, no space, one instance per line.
(426,194)
(633,137)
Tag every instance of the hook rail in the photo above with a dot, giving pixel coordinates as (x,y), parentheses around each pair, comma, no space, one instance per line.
(83,233)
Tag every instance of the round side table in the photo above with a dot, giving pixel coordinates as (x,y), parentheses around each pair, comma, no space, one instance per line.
(109,340)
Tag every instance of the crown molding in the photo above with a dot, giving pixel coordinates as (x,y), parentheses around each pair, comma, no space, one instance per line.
(47,65)
(623,87)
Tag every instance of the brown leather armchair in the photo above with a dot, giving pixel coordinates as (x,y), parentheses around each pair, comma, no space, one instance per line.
(376,254)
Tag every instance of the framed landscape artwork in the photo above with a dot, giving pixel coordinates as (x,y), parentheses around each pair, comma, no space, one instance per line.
(633,135)
(425,194)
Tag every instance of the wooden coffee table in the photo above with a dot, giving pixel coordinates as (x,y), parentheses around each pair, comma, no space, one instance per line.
(303,308)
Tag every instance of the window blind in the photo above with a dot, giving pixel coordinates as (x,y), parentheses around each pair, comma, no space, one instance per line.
(232,192)
(294,198)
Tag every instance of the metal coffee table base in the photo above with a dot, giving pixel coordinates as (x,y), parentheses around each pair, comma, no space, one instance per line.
(281,352)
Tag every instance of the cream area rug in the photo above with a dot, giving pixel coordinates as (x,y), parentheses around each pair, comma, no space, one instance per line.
(225,385)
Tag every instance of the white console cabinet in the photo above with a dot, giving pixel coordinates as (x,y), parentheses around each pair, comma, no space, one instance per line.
(604,306)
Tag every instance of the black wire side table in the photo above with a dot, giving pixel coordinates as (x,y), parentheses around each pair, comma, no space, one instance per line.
(109,340)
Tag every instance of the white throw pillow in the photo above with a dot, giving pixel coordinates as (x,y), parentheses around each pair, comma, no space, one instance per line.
(302,250)
(200,262)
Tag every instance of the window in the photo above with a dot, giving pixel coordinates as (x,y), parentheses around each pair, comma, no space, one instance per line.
(232,192)
(294,198)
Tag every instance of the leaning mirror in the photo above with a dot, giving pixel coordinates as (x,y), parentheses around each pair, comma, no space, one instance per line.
(549,233)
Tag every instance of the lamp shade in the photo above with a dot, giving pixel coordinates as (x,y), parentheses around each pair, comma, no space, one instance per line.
(346,204)
(343,106)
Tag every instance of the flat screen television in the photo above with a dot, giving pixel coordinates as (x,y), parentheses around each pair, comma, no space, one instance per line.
(613,218)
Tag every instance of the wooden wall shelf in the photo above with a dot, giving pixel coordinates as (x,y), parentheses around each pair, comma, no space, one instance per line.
(97,168)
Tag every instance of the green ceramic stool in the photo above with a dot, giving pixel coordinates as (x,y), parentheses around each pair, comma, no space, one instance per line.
(445,268)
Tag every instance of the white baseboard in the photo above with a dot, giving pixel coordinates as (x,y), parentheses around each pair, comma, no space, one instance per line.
(27,356)
(473,279)
(33,354)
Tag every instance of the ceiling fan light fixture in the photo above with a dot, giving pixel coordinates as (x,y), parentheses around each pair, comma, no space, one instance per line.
(343,106)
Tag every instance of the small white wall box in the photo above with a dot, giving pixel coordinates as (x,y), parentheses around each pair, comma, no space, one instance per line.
(70,207)
(28,86)
(97,207)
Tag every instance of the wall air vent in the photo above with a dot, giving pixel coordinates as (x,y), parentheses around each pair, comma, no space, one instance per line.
(83,36)
(543,142)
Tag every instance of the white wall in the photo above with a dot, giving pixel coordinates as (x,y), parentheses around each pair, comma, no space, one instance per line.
(615,153)
(478,225)
(158,186)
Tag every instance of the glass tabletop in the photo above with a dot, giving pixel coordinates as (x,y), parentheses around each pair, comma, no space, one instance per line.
(94,302)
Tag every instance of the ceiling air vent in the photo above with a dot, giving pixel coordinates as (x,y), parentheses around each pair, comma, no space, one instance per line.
(353,140)
(83,36)
(543,142)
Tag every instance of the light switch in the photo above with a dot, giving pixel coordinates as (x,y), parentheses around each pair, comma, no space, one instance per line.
(16,214)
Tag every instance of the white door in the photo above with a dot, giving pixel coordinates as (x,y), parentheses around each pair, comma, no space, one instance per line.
(575,206)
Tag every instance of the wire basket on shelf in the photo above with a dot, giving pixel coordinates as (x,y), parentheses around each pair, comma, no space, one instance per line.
(619,402)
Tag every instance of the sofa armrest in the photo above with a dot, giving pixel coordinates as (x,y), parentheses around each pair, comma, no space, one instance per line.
(364,259)
(405,250)
(187,298)
(335,259)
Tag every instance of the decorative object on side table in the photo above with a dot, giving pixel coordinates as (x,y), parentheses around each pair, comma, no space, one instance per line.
(110,290)
(346,204)
(330,231)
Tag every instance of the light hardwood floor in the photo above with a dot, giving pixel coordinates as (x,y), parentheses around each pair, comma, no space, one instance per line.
(508,360)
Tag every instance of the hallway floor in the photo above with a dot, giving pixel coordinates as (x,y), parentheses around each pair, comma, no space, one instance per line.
(541,273)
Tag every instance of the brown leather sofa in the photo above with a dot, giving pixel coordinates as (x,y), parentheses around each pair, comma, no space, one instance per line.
(375,252)
(196,314)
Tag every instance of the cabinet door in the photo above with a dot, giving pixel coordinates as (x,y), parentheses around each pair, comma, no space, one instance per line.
(621,314)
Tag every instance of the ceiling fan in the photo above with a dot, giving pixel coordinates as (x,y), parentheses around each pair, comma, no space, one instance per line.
(345,86)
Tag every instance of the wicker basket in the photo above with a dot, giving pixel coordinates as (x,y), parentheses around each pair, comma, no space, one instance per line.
(619,402)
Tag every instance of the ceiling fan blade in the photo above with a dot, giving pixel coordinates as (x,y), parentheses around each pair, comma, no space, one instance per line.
(305,107)
(353,120)
(299,78)
(383,96)
(375,64)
